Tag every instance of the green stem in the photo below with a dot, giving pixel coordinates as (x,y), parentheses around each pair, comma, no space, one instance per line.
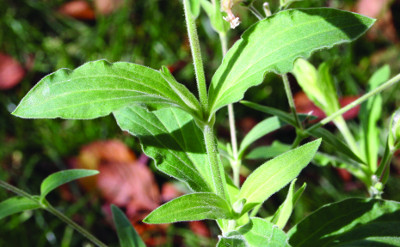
(289,96)
(348,137)
(217,171)
(196,54)
(55,212)
(75,226)
(358,101)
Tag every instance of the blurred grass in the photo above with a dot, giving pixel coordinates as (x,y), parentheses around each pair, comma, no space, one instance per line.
(152,33)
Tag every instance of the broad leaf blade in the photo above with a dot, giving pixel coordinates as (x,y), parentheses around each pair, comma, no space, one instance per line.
(190,207)
(62,177)
(97,88)
(259,232)
(267,152)
(273,44)
(127,235)
(345,223)
(15,205)
(170,137)
(276,173)
(264,127)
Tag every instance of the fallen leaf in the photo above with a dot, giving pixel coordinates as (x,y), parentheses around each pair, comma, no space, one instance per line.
(78,9)
(11,72)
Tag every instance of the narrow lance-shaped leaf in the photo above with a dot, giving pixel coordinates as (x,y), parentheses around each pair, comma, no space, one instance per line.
(62,177)
(190,207)
(98,88)
(282,215)
(170,137)
(15,205)
(352,222)
(264,127)
(276,173)
(127,235)
(273,44)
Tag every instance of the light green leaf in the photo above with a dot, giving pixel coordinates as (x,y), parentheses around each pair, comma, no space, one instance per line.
(261,129)
(195,7)
(15,205)
(284,211)
(170,137)
(370,114)
(273,44)
(234,241)
(215,15)
(352,222)
(62,177)
(190,207)
(97,88)
(267,152)
(259,232)
(127,235)
(276,173)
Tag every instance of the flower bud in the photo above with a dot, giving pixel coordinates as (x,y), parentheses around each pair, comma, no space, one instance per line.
(226,6)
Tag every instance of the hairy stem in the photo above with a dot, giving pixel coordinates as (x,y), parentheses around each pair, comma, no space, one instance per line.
(217,171)
(55,212)
(289,96)
(196,54)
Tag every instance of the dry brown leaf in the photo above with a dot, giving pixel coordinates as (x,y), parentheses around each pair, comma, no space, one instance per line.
(11,72)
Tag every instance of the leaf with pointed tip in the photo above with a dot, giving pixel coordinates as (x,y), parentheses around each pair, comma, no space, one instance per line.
(284,211)
(268,152)
(62,177)
(276,173)
(127,235)
(98,88)
(190,207)
(352,222)
(170,137)
(258,232)
(264,127)
(273,44)
(15,205)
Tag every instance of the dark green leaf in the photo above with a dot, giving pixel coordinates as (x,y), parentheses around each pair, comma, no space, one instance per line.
(170,137)
(127,235)
(276,173)
(352,222)
(62,177)
(97,88)
(15,205)
(196,206)
(273,44)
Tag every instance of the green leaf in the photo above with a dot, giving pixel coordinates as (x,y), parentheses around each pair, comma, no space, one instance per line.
(283,116)
(195,7)
(15,205)
(215,15)
(352,222)
(190,207)
(267,152)
(127,235)
(234,241)
(283,213)
(317,84)
(370,114)
(259,232)
(261,129)
(62,177)
(97,88)
(336,143)
(276,173)
(273,44)
(170,137)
